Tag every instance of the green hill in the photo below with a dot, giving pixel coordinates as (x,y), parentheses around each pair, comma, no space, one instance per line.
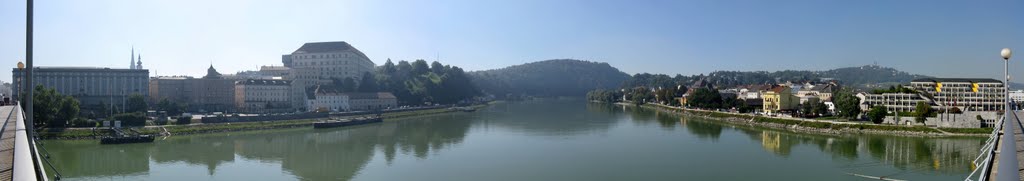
(559,77)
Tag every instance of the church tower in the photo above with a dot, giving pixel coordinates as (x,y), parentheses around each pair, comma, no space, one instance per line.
(139,63)
(132,65)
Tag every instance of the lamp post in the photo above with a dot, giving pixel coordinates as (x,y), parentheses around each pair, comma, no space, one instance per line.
(1006,53)
(1008,168)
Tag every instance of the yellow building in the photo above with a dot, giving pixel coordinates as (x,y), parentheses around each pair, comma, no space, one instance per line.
(779,99)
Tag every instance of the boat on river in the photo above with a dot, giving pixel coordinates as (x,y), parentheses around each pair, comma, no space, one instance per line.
(347,122)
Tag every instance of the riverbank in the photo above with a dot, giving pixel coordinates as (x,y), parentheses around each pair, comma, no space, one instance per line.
(820,126)
(200,128)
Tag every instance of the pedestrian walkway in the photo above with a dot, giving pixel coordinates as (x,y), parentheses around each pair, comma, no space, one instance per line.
(7,142)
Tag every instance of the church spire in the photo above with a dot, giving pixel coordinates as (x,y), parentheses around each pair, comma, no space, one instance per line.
(138,64)
(132,65)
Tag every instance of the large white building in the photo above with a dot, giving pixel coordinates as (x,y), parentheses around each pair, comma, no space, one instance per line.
(965,94)
(263,96)
(318,63)
(327,98)
(322,100)
(90,85)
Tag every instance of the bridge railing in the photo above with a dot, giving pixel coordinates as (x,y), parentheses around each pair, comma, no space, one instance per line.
(987,155)
(28,165)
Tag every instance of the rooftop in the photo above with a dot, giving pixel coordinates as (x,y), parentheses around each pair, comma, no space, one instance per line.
(974,80)
(264,82)
(325,47)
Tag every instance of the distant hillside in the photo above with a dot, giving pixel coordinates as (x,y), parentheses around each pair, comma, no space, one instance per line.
(560,77)
(863,77)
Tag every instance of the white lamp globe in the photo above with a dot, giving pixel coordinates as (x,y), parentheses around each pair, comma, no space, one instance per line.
(1006,53)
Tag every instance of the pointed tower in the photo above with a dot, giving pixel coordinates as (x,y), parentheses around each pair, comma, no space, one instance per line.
(132,65)
(138,64)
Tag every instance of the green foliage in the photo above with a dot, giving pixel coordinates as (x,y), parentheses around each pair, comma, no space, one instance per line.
(564,77)
(847,105)
(922,111)
(705,98)
(172,108)
(894,89)
(82,123)
(183,120)
(640,95)
(968,130)
(137,104)
(417,83)
(131,119)
(601,95)
(51,109)
(368,83)
(877,114)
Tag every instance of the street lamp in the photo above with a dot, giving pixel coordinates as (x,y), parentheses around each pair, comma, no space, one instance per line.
(1008,141)
(1006,53)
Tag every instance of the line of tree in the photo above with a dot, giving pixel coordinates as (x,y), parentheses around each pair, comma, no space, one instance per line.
(415,83)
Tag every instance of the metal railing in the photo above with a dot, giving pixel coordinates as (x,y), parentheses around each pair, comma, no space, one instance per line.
(988,150)
(987,154)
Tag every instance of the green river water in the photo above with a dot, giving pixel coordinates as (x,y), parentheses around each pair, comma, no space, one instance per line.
(532,140)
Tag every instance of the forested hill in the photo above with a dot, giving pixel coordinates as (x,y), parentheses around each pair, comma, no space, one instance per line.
(859,77)
(560,77)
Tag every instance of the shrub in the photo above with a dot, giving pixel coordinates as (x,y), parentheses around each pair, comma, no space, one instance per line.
(183,120)
(82,123)
(131,119)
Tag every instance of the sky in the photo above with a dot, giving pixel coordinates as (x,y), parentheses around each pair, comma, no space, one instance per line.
(942,38)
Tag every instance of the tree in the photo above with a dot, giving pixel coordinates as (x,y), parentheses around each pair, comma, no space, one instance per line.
(348,84)
(807,108)
(847,105)
(389,67)
(437,67)
(819,108)
(68,111)
(137,103)
(922,111)
(51,109)
(368,83)
(877,114)
(705,98)
(420,67)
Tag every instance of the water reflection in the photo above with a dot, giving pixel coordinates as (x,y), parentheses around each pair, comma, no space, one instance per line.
(551,118)
(945,155)
(333,154)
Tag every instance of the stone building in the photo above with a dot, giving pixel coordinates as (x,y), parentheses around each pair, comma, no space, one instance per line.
(211,93)
(263,96)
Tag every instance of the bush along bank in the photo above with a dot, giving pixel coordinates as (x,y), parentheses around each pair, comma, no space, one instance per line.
(87,133)
(823,127)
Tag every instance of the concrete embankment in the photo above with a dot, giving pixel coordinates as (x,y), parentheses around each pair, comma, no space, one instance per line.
(800,125)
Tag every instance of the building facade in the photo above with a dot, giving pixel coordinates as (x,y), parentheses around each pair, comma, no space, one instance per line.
(779,99)
(320,62)
(965,94)
(893,102)
(328,101)
(371,101)
(263,96)
(211,93)
(91,86)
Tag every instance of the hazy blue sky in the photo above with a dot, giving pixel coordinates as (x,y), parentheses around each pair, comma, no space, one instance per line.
(182,37)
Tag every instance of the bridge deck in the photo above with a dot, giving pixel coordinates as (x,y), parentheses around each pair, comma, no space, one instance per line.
(1018,135)
(7,143)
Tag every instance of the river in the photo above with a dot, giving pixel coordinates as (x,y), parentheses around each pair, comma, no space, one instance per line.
(532,140)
